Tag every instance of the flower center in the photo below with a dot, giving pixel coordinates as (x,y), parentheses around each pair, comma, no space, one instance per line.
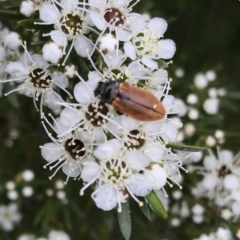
(135,140)
(117,75)
(115,172)
(75,148)
(72,24)
(40,79)
(223,171)
(114,17)
(93,116)
(145,43)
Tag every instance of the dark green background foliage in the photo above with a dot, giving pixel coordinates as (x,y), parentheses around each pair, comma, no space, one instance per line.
(207,34)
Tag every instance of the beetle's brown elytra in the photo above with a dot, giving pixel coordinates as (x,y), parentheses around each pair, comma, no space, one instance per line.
(135,102)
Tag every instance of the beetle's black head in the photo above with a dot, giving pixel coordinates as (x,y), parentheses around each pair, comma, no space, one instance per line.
(107,91)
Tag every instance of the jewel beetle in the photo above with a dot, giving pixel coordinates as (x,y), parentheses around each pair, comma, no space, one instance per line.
(135,102)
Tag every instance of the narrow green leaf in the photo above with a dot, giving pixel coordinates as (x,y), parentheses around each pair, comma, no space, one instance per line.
(124,219)
(188,148)
(83,66)
(29,23)
(162,64)
(10,14)
(156,204)
(145,210)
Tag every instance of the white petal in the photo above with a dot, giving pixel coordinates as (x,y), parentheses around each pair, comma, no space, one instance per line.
(137,159)
(69,5)
(123,35)
(225,157)
(68,117)
(231,181)
(170,133)
(129,123)
(90,171)
(83,93)
(99,135)
(210,181)
(97,19)
(114,59)
(40,62)
(157,175)
(26,89)
(60,79)
(157,26)
(210,163)
(16,69)
(149,63)
(139,185)
(51,152)
(83,46)
(48,13)
(106,197)
(168,102)
(155,151)
(93,79)
(137,22)
(52,99)
(2,53)
(161,76)
(129,50)
(108,149)
(59,38)
(59,127)
(69,171)
(94,3)
(166,49)
(135,68)
(151,127)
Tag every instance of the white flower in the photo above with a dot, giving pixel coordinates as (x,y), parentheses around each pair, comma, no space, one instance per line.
(87,116)
(36,80)
(27,8)
(67,152)
(9,216)
(200,81)
(108,42)
(70,24)
(58,235)
(146,44)
(221,176)
(115,16)
(28,175)
(117,175)
(12,41)
(210,75)
(52,52)
(211,105)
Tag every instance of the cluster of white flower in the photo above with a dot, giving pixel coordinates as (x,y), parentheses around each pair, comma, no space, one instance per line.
(203,96)
(53,235)
(118,155)
(221,182)
(9,217)
(220,234)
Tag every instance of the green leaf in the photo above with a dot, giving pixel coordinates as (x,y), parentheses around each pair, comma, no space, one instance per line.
(156,204)
(162,64)
(29,24)
(184,147)
(10,14)
(83,66)
(233,95)
(124,219)
(145,210)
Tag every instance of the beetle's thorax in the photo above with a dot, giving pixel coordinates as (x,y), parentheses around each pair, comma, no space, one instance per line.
(107,91)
